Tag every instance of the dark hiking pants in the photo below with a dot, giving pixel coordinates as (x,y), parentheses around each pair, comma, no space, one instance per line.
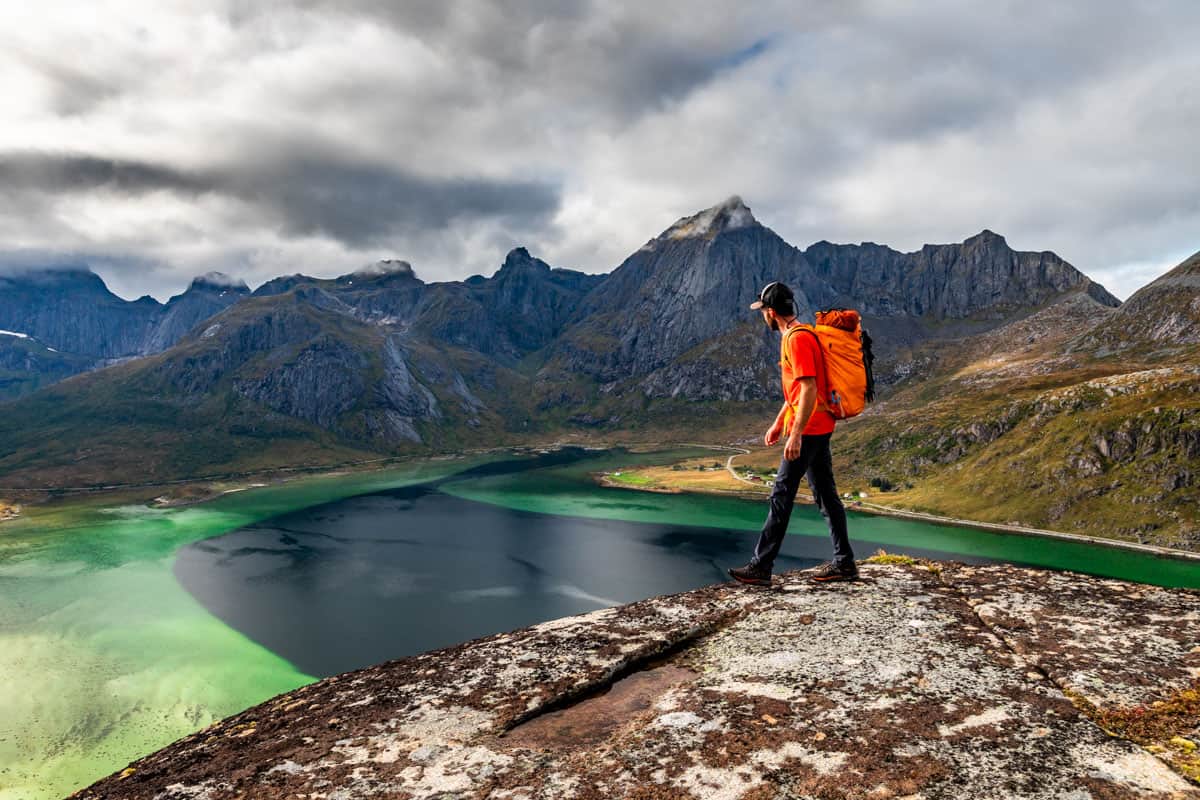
(816,462)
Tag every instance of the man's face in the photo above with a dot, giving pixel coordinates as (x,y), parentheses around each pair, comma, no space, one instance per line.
(770,319)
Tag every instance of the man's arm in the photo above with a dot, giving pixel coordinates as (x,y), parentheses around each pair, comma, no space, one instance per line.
(807,402)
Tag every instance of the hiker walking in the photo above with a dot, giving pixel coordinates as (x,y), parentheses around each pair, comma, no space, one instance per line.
(807,419)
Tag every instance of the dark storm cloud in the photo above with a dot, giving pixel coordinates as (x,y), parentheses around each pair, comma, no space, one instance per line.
(305,193)
(33,173)
(361,204)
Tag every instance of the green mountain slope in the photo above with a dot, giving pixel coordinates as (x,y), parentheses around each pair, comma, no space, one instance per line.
(273,381)
(1041,423)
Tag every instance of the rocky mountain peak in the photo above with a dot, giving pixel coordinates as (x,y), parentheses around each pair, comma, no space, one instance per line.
(69,276)
(519,259)
(1166,312)
(218,282)
(729,215)
(987,237)
(69,308)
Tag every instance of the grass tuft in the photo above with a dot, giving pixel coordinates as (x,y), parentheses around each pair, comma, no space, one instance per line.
(883,557)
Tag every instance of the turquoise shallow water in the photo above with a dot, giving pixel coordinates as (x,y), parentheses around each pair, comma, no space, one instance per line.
(106,657)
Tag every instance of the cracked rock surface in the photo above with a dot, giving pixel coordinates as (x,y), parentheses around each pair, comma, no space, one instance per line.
(910,683)
(1110,641)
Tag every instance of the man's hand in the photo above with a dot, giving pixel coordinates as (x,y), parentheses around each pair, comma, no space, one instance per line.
(773,434)
(791,451)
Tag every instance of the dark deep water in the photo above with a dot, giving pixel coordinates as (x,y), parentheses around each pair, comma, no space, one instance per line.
(375,577)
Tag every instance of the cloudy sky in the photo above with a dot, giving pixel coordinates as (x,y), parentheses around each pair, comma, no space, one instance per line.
(159,139)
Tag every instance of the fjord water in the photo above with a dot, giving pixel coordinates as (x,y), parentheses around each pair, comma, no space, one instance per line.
(124,629)
(509,544)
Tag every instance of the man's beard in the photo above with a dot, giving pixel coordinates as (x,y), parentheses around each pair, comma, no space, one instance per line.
(773,324)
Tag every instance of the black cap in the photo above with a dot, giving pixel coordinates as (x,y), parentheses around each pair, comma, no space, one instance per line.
(777,296)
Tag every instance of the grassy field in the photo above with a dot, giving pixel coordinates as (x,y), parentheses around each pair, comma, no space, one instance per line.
(693,475)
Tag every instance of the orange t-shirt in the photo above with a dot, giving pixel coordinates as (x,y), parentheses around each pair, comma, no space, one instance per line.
(805,356)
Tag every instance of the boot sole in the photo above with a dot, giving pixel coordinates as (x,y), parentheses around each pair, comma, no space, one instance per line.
(751,581)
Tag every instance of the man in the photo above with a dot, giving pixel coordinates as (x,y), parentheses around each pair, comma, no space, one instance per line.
(808,427)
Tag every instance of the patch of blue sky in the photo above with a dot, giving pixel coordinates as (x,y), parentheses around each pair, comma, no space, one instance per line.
(737,58)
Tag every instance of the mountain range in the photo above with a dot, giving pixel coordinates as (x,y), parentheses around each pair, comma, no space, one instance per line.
(308,370)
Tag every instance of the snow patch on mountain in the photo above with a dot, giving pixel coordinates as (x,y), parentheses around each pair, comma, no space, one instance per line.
(14,333)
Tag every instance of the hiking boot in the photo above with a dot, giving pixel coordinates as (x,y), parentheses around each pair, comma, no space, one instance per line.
(833,572)
(751,574)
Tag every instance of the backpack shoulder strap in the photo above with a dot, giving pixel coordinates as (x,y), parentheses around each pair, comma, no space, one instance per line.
(792,330)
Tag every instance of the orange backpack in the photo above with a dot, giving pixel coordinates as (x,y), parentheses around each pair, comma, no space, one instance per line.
(846,357)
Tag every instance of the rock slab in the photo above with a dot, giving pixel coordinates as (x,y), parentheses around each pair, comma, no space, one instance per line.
(918,681)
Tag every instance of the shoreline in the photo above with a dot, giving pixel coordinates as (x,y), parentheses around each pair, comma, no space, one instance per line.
(341,468)
(280,475)
(214,487)
(920,516)
(999,527)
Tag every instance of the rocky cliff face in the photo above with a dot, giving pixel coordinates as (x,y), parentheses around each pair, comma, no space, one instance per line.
(983,276)
(207,295)
(518,310)
(690,285)
(302,354)
(71,310)
(530,301)
(921,680)
(672,320)
(1046,422)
